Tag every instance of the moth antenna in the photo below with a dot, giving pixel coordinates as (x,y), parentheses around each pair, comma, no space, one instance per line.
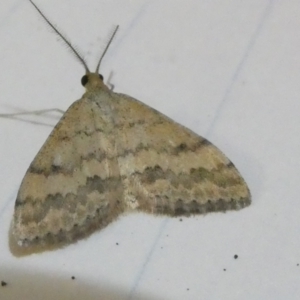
(74,51)
(105,50)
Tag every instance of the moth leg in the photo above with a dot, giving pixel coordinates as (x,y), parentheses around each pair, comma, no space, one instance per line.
(35,113)
(18,116)
(110,85)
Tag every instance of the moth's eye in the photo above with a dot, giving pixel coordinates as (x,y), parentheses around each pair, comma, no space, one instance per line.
(101,77)
(84,80)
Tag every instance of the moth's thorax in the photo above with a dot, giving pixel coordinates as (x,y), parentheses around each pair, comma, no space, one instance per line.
(94,82)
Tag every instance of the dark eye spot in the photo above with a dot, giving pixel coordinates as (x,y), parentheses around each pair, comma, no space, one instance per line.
(101,77)
(84,80)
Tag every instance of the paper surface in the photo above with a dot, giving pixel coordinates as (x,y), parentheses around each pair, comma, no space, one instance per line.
(229,71)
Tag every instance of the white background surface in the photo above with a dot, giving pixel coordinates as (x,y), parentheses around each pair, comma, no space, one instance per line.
(230,71)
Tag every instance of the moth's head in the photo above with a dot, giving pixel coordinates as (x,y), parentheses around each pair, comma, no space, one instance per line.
(92,81)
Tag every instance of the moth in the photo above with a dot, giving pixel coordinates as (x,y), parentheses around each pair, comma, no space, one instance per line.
(108,154)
